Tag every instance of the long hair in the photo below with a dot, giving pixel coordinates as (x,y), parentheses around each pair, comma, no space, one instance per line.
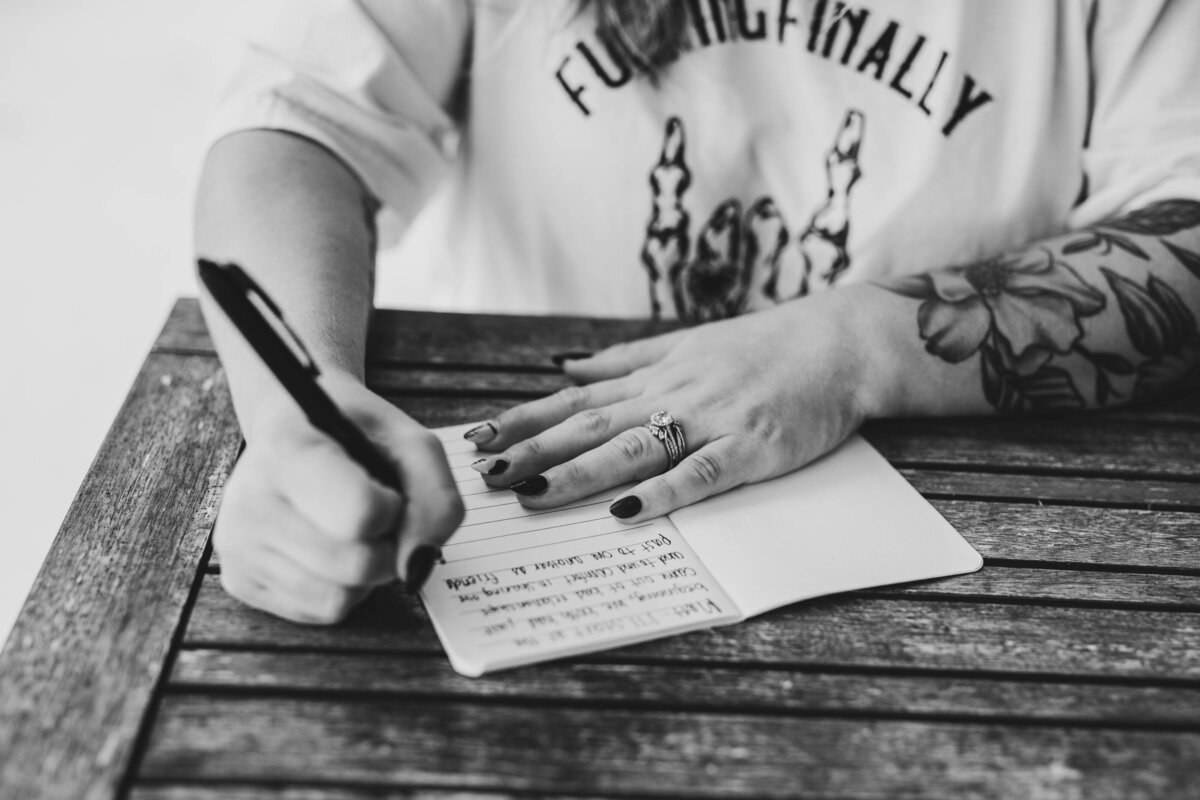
(648,33)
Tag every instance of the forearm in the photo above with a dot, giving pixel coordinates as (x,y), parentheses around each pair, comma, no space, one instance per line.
(301,223)
(1088,319)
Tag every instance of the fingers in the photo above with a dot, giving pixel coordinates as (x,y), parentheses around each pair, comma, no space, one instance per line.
(532,418)
(712,469)
(274,560)
(304,532)
(606,379)
(434,509)
(621,359)
(334,493)
(634,454)
(282,587)
(347,563)
(588,429)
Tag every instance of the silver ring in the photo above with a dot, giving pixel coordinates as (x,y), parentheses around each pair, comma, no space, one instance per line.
(670,433)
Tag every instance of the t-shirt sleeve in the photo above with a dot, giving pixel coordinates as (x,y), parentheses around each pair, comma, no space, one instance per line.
(371,80)
(1144,137)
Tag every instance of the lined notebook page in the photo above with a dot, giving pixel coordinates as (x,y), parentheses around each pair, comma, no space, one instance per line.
(519,586)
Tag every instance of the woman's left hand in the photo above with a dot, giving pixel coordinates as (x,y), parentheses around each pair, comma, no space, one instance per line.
(757,396)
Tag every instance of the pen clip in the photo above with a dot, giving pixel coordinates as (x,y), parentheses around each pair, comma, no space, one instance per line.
(274,316)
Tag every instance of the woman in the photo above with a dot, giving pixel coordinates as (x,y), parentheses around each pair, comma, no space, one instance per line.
(948,208)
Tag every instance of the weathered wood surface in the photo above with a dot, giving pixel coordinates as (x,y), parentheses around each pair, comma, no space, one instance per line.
(80,668)
(1141,493)
(565,748)
(688,685)
(1114,538)
(1068,668)
(229,791)
(860,630)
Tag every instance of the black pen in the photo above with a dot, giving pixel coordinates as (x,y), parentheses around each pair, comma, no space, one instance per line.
(236,293)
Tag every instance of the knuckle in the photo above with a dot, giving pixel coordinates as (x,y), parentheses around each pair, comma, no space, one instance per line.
(619,352)
(424,439)
(330,606)
(447,512)
(455,510)
(233,583)
(574,398)
(531,450)
(704,470)
(633,445)
(240,586)
(354,565)
(593,421)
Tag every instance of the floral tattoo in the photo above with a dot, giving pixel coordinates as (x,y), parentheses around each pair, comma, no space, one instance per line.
(1023,313)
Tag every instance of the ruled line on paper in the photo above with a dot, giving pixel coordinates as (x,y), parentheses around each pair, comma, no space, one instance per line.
(521,585)
(526,530)
(540,546)
(530,513)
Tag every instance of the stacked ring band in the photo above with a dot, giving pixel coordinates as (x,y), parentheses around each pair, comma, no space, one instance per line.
(670,433)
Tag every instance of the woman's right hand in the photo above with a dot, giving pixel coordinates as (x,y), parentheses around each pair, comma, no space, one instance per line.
(304,533)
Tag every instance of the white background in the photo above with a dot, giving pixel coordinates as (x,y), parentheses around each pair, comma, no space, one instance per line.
(101,109)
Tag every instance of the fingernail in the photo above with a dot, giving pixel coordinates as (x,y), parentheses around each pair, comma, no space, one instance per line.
(420,564)
(569,355)
(497,467)
(530,486)
(481,434)
(626,507)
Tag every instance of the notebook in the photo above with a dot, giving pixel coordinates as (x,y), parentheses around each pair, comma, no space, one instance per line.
(518,586)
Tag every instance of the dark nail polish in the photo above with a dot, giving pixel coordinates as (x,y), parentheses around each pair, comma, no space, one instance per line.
(569,355)
(626,507)
(481,434)
(530,486)
(420,564)
(499,467)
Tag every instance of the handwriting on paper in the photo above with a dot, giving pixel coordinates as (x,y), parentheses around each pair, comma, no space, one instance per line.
(517,580)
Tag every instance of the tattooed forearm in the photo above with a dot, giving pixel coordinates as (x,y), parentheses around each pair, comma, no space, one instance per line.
(1025,317)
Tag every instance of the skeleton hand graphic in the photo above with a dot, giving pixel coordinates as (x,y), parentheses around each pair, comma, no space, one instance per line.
(737,257)
(667,232)
(824,243)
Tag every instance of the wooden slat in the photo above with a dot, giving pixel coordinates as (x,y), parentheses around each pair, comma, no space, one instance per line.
(1088,444)
(80,667)
(862,631)
(1067,535)
(388,619)
(402,383)
(486,340)
(1060,585)
(498,746)
(226,791)
(708,687)
(1143,494)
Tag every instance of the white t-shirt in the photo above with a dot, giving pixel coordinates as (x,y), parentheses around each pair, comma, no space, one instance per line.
(796,144)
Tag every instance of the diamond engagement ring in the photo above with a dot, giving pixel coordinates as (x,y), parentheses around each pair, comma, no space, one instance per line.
(670,433)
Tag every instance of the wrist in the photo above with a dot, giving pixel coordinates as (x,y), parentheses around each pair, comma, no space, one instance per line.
(868,314)
(274,414)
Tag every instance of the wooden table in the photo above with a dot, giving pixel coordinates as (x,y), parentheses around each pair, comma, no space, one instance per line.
(1068,668)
